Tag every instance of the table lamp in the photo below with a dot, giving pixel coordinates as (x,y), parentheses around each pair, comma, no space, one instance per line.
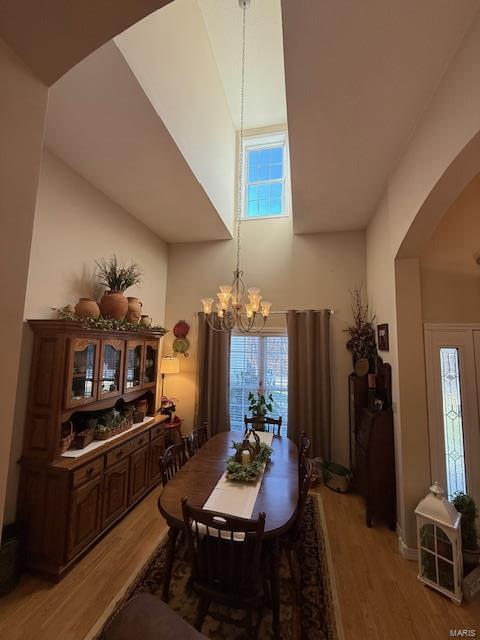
(168,364)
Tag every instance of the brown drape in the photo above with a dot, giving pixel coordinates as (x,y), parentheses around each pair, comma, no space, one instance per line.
(309,379)
(213,377)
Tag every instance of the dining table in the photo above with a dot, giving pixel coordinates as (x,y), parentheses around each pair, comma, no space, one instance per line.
(277,497)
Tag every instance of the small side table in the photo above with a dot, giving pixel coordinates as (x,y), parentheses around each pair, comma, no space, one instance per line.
(171,427)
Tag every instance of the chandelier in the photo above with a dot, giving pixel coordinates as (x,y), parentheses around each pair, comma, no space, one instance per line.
(235,309)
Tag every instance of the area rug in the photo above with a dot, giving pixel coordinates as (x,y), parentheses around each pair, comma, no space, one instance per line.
(315,617)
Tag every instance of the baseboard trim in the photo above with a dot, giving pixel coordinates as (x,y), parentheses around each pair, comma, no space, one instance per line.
(408,553)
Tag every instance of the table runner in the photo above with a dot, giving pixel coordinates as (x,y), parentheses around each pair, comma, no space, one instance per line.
(237,498)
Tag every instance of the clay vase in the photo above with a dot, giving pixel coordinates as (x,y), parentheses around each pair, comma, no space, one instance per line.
(87,308)
(146,321)
(113,305)
(134,312)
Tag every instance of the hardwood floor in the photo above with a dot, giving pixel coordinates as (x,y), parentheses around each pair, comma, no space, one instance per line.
(76,607)
(380,597)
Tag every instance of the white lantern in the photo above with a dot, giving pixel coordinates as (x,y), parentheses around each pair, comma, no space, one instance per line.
(439,544)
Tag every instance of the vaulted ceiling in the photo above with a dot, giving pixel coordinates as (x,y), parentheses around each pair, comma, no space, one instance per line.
(151,120)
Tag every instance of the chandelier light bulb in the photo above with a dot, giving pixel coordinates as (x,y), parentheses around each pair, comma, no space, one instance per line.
(266,308)
(207,305)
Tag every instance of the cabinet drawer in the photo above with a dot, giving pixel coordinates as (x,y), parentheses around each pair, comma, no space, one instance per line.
(87,472)
(119,453)
(139,441)
(156,431)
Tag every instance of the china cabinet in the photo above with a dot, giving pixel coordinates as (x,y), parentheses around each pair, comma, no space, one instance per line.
(69,498)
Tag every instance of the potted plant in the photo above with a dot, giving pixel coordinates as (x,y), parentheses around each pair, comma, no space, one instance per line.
(117,278)
(466,506)
(361,344)
(259,404)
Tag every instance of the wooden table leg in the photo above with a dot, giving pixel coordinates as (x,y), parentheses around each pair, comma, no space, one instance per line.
(275,585)
(167,576)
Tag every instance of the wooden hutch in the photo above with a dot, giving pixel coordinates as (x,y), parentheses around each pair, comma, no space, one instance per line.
(68,500)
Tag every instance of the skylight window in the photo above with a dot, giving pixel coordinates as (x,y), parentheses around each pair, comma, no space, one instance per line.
(266,171)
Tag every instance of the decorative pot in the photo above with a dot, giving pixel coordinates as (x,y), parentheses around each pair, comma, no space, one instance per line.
(134,312)
(87,308)
(114,305)
(146,321)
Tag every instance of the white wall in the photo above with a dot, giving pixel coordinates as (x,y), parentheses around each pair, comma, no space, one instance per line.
(22,118)
(450,275)
(302,272)
(171,55)
(451,121)
(74,225)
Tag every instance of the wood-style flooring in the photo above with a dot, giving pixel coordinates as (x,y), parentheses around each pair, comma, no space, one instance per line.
(379,595)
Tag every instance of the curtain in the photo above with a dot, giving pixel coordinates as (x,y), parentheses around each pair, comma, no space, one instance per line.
(213,377)
(309,379)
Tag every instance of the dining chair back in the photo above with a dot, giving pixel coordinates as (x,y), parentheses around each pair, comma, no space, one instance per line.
(173,459)
(304,447)
(196,439)
(264,423)
(225,555)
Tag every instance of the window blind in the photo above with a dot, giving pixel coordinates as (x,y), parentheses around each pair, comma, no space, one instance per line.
(258,362)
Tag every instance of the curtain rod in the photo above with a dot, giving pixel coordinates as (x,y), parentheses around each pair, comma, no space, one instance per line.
(331,311)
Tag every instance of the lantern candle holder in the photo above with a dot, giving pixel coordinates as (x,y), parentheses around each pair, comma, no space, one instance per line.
(439,544)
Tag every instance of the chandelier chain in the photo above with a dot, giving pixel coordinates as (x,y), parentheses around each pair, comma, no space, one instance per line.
(241,136)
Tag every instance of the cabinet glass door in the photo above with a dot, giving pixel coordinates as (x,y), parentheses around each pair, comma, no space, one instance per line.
(151,364)
(134,365)
(83,366)
(111,368)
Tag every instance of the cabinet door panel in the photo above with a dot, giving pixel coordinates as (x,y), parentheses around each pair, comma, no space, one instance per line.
(111,368)
(157,449)
(134,361)
(82,373)
(115,492)
(151,364)
(85,516)
(138,474)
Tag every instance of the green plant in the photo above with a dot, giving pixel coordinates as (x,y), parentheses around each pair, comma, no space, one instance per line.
(362,342)
(247,472)
(466,506)
(117,276)
(259,404)
(106,324)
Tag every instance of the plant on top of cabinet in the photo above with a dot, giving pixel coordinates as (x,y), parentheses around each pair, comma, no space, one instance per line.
(117,277)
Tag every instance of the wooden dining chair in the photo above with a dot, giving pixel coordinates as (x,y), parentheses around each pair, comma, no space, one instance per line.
(263,423)
(304,447)
(196,439)
(173,459)
(225,554)
(291,540)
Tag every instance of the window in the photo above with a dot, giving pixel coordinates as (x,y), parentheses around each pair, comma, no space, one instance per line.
(452,420)
(258,362)
(266,172)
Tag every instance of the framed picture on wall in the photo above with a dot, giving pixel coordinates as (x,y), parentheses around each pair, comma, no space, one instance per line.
(383,342)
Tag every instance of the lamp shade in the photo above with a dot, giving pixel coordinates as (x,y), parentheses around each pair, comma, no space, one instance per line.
(169,365)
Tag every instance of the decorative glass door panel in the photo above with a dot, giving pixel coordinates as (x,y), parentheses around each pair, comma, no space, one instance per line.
(82,372)
(151,364)
(111,368)
(134,365)
(452,355)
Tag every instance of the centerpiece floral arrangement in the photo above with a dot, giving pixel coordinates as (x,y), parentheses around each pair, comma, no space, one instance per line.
(248,459)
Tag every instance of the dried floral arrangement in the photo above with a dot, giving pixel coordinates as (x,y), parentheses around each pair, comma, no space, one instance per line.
(361,343)
(117,276)
(106,324)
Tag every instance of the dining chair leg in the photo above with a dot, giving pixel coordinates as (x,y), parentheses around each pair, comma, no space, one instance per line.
(275,586)
(167,576)
(202,611)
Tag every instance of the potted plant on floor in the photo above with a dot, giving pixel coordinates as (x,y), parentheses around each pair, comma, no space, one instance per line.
(117,278)
(466,506)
